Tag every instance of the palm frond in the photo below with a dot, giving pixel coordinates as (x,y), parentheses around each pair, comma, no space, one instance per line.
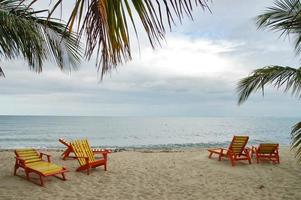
(284,16)
(277,76)
(1,73)
(296,140)
(36,39)
(106,24)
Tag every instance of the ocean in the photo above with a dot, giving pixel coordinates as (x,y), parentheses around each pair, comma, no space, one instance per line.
(140,132)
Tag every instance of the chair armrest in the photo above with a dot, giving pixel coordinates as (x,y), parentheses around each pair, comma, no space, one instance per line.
(20,160)
(218,150)
(45,154)
(104,152)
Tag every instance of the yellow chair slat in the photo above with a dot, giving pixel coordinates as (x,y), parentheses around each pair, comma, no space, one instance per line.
(88,150)
(82,149)
(267,148)
(238,144)
(29,155)
(78,152)
(45,167)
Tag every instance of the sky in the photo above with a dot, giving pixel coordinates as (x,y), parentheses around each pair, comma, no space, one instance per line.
(193,74)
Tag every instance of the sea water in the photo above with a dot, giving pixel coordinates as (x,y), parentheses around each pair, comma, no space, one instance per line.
(136,132)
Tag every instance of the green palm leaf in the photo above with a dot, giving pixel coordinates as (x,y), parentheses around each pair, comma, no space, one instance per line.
(277,76)
(296,140)
(36,39)
(106,24)
(284,16)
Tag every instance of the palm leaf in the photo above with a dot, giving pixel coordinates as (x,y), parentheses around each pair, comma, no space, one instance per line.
(277,76)
(36,39)
(296,140)
(106,25)
(284,16)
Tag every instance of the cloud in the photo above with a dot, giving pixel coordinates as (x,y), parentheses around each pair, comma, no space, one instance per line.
(194,74)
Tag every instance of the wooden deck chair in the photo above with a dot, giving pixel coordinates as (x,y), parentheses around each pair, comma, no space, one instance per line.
(268,151)
(32,162)
(85,156)
(236,151)
(66,153)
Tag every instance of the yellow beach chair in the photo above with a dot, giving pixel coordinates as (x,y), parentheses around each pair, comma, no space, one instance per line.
(85,156)
(32,162)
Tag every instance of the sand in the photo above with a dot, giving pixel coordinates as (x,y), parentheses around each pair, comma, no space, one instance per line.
(181,175)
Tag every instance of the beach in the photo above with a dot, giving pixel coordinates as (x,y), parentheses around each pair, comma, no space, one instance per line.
(159,174)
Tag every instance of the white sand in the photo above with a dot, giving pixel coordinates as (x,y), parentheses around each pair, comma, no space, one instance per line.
(161,175)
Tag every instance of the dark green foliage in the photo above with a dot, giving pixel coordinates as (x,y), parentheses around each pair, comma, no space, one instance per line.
(284,16)
(36,39)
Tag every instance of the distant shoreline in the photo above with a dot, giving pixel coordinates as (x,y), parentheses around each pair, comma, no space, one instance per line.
(139,149)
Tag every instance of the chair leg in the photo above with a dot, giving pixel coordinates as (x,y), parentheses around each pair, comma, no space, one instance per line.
(15,170)
(210,155)
(220,157)
(249,159)
(105,167)
(41,179)
(64,177)
(232,160)
(27,174)
(66,153)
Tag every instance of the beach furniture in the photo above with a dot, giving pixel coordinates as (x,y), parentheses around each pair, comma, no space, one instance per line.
(268,151)
(236,151)
(32,162)
(66,153)
(85,156)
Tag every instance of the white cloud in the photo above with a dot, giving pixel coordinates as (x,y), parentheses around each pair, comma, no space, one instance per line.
(193,74)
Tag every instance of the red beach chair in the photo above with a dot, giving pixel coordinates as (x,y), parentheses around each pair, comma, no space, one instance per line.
(236,151)
(85,156)
(66,153)
(268,151)
(31,161)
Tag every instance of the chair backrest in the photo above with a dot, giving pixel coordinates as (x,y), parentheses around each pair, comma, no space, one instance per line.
(28,155)
(238,144)
(64,142)
(267,148)
(81,150)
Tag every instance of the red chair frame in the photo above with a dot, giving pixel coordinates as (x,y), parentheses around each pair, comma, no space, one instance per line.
(21,163)
(236,151)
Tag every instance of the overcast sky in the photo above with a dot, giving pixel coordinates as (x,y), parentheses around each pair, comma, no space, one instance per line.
(194,73)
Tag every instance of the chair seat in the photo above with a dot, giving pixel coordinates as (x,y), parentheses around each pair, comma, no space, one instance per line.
(45,168)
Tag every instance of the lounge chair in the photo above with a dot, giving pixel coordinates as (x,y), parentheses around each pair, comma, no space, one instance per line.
(66,153)
(85,156)
(32,162)
(268,151)
(236,151)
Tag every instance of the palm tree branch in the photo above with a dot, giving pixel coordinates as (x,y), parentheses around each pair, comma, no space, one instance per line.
(285,16)
(25,34)
(276,76)
(104,23)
